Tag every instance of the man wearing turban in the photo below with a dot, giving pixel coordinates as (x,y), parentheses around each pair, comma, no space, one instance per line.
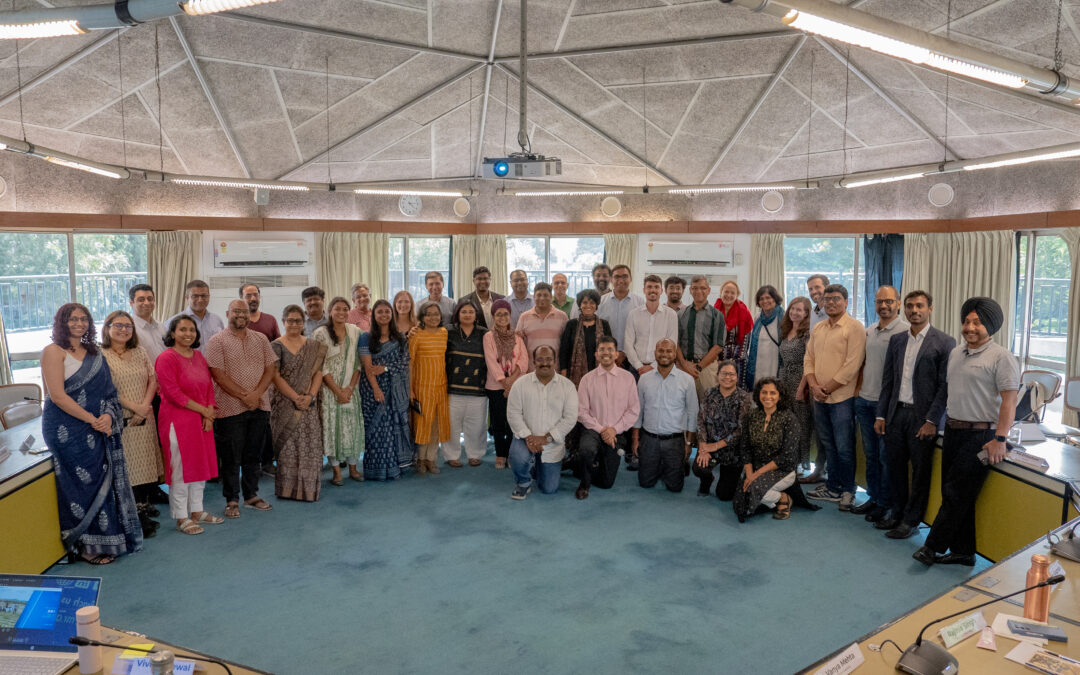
(982,380)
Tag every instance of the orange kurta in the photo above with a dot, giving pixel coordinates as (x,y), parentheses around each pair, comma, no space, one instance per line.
(427,356)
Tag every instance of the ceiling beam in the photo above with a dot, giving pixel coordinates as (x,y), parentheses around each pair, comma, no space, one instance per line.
(615,49)
(487,91)
(591,127)
(210,96)
(893,103)
(773,81)
(383,120)
(348,35)
(58,67)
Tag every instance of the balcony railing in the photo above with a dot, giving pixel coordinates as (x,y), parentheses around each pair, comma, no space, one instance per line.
(29,303)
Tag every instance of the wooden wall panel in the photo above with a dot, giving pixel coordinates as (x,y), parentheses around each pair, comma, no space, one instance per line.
(190,223)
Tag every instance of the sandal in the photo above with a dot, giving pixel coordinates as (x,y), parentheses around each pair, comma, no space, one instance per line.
(456,463)
(338,482)
(783,508)
(475,462)
(188,526)
(258,503)
(98,560)
(206,517)
(232,510)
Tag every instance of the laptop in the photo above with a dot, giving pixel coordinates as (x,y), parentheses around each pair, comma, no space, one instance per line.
(37,616)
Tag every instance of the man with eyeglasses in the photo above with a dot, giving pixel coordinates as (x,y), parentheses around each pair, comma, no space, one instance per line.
(878,487)
(151,333)
(615,308)
(520,300)
(197,295)
(831,367)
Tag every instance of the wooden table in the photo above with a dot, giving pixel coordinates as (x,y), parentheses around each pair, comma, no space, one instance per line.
(29,520)
(120,639)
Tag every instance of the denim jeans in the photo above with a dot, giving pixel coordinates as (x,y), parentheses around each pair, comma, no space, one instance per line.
(877,472)
(527,466)
(835,424)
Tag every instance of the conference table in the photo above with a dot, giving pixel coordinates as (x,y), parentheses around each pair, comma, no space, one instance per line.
(122,639)
(28,511)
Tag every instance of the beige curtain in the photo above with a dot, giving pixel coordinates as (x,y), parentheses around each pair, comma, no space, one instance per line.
(766,263)
(491,253)
(1072,345)
(172,261)
(955,266)
(5,360)
(463,262)
(620,249)
(346,258)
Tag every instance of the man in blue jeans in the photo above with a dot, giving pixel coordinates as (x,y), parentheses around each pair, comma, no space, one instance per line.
(831,366)
(878,488)
(542,409)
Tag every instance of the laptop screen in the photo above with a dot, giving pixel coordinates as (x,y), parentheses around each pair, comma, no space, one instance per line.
(37,613)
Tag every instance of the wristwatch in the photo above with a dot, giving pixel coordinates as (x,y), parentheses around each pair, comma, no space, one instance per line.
(1000,439)
(548,438)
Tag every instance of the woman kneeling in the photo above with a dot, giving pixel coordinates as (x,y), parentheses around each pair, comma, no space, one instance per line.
(769,450)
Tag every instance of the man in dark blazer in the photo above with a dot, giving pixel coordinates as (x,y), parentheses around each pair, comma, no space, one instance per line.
(481,298)
(910,410)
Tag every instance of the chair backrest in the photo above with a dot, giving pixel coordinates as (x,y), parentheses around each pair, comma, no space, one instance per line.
(16,413)
(1049,380)
(11,393)
(1072,393)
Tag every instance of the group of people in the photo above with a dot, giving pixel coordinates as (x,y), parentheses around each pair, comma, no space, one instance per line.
(580,384)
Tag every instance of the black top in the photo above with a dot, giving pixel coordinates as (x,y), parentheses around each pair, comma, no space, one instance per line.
(466,370)
(566,342)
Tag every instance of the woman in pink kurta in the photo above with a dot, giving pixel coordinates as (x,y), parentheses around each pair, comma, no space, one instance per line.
(186,425)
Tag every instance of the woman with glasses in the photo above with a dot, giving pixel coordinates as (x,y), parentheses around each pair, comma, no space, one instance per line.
(82,424)
(577,346)
(719,426)
(136,385)
(295,411)
(507,360)
(763,353)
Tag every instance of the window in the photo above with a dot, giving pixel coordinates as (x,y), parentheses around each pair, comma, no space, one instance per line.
(42,271)
(543,257)
(1042,306)
(839,258)
(411,258)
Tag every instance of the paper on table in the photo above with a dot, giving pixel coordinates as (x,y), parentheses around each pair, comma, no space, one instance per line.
(1022,652)
(1001,627)
(1031,433)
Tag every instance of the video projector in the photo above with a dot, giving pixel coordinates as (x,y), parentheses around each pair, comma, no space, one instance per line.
(522,166)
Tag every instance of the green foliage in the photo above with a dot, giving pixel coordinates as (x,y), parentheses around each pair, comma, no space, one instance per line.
(38,253)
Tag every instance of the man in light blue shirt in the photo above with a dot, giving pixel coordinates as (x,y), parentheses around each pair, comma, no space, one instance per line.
(615,308)
(520,300)
(815,286)
(197,295)
(669,408)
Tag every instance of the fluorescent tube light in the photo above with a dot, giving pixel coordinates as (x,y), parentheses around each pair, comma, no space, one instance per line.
(749,187)
(41,29)
(401,192)
(201,7)
(566,193)
(81,164)
(225,182)
(1012,159)
(877,180)
(859,37)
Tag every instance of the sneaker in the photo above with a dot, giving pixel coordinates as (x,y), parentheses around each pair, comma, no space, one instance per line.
(846,500)
(520,493)
(824,494)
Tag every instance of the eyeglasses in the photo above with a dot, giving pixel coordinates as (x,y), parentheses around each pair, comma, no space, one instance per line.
(728,375)
(294,322)
(201,296)
(834,298)
(122,326)
(887,301)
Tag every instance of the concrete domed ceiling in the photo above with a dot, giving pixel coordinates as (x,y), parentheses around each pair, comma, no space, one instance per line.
(685,91)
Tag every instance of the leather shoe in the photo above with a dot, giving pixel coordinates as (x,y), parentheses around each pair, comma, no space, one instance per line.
(582,493)
(864,508)
(902,531)
(876,515)
(925,556)
(887,523)
(955,559)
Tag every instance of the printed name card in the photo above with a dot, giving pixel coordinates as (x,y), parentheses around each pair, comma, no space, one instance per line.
(844,662)
(963,629)
(141,666)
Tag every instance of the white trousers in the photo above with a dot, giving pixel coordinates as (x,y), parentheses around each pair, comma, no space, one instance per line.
(468,415)
(184,498)
(773,495)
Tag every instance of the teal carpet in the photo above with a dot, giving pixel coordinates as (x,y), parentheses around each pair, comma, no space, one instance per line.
(446,574)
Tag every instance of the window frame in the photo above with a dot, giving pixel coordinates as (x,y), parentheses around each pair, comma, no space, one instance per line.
(855,292)
(547,249)
(1023,350)
(448,282)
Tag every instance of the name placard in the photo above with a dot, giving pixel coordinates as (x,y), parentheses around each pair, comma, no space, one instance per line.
(963,628)
(844,662)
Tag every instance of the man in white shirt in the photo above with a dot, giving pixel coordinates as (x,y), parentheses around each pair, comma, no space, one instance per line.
(151,333)
(197,295)
(647,325)
(615,308)
(542,408)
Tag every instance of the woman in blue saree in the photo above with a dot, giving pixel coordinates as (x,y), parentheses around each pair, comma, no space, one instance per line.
(81,424)
(384,393)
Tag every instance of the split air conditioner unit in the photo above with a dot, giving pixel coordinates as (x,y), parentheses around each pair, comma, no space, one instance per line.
(690,253)
(230,253)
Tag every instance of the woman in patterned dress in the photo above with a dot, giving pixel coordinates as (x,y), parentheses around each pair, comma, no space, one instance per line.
(295,412)
(81,423)
(719,426)
(768,452)
(342,417)
(384,392)
(427,386)
(795,327)
(136,385)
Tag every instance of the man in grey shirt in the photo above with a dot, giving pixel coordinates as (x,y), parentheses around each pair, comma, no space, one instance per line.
(815,286)
(982,380)
(197,294)
(434,282)
(519,298)
(887,304)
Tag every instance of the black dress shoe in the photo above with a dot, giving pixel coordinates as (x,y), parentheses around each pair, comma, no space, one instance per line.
(887,523)
(955,559)
(925,556)
(876,515)
(864,508)
(902,531)
(158,496)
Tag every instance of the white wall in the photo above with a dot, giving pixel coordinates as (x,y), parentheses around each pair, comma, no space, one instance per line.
(740,271)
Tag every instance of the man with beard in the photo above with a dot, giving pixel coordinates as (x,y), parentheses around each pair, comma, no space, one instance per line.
(258,321)
(481,298)
(608,406)
(669,408)
(519,298)
(674,287)
(197,295)
(314,299)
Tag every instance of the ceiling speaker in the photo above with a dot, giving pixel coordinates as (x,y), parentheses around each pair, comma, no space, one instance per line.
(941,194)
(610,206)
(462,207)
(772,201)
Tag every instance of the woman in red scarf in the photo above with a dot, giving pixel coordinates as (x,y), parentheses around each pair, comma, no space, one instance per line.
(739,322)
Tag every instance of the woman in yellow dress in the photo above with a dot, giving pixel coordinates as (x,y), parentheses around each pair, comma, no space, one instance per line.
(427,384)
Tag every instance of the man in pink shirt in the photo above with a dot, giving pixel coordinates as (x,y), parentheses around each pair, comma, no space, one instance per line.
(360,315)
(608,406)
(543,324)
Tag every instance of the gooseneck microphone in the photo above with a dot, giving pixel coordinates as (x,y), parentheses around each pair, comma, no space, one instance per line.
(932,659)
(87,642)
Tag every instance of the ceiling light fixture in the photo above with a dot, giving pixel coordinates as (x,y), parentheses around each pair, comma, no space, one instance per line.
(62,159)
(239,183)
(857,181)
(569,193)
(1023,157)
(203,7)
(40,29)
(400,192)
(733,187)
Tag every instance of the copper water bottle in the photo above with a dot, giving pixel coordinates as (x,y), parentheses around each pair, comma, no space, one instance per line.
(1037,601)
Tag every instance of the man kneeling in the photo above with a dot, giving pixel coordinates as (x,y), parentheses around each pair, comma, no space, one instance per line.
(607,407)
(669,404)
